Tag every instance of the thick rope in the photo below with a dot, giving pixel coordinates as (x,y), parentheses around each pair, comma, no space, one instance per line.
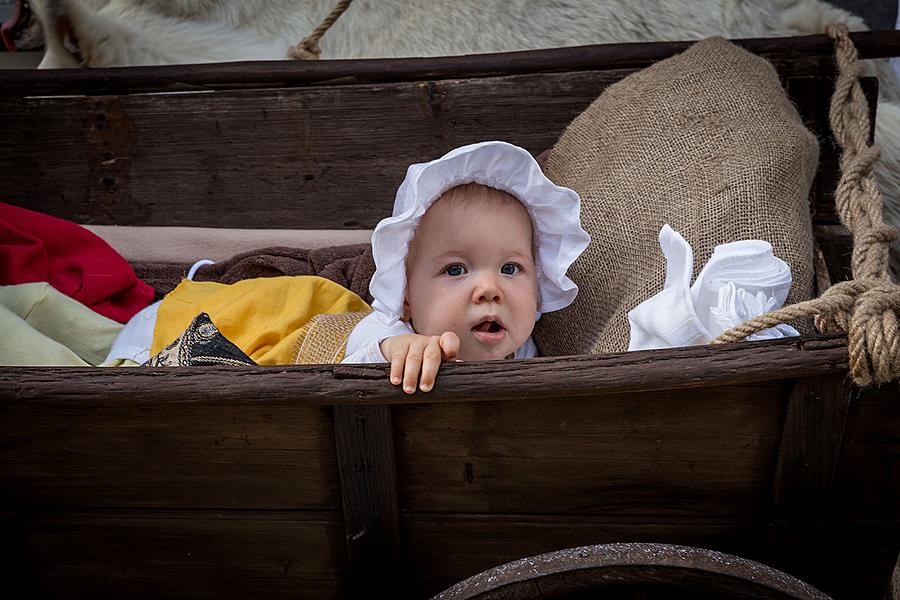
(867,306)
(308,48)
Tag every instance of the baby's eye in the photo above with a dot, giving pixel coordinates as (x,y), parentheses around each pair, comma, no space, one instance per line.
(455,270)
(510,269)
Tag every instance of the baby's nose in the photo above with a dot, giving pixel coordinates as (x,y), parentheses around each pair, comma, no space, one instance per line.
(487,289)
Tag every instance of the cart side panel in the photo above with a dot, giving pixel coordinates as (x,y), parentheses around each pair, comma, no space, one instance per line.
(179,554)
(169,456)
(173,499)
(862,529)
(307,158)
(698,453)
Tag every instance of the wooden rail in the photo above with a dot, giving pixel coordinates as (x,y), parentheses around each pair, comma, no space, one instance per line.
(871,44)
(572,376)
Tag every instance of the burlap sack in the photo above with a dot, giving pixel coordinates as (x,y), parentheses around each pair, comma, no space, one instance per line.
(706,141)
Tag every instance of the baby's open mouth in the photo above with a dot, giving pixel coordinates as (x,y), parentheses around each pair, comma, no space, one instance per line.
(488,326)
(490,332)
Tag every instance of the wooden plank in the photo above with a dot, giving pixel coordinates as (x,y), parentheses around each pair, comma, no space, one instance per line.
(14,561)
(196,159)
(364,443)
(836,244)
(805,470)
(179,554)
(862,531)
(869,469)
(871,44)
(858,560)
(706,453)
(446,548)
(806,92)
(164,455)
(309,158)
(553,377)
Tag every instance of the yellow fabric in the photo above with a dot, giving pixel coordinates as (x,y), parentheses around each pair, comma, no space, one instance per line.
(264,317)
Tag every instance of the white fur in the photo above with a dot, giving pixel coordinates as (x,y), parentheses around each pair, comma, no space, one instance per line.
(395,28)
(887,171)
(141,32)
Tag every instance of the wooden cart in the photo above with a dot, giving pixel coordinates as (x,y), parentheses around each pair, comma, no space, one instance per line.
(325,481)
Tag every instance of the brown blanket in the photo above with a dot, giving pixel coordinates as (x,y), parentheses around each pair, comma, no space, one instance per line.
(351,266)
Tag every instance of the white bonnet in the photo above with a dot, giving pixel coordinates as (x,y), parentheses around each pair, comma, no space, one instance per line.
(554,211)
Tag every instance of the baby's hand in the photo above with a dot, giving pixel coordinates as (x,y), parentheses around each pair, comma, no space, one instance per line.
(411,353)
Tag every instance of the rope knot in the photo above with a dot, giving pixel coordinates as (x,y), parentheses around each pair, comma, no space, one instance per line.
(307,49)
(873,341)
(867,310)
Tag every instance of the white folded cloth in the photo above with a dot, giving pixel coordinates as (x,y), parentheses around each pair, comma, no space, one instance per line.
(742,280)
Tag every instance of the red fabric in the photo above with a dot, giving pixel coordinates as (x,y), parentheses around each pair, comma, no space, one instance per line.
(38,247)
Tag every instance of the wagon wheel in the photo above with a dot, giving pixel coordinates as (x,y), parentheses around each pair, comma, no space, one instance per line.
(633,572)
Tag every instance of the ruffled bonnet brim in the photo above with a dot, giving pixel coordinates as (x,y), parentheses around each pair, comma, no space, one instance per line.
(554,211)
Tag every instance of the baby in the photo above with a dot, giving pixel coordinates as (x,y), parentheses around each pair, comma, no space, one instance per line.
(476,249)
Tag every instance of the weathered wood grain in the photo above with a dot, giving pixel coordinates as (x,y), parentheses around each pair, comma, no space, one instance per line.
(446,548)
(862,526)
(318,157)
(364,444)
(869,467)
(836,244)
(440,546)
(179,554)
(560,377)
(805,470)
(603,455)
(871,44)
(168,456)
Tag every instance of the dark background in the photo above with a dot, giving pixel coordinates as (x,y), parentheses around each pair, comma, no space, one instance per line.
(878,14)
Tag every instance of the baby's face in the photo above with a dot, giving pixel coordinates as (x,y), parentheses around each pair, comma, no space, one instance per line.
(471,271)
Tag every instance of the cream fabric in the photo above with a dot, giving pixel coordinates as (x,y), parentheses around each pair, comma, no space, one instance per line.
(40,326)
(183,244)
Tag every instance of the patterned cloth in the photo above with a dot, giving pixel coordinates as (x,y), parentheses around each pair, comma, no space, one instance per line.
(201,344)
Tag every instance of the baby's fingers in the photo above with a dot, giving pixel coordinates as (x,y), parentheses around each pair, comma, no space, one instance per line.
(413,365)
(449,346)
(398,360)
(431,362)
